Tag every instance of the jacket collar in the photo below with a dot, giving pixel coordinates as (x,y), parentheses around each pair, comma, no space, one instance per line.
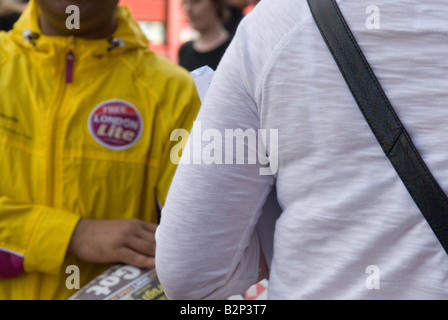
(127,36)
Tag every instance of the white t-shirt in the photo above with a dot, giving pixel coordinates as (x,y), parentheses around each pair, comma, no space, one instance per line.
(348,228)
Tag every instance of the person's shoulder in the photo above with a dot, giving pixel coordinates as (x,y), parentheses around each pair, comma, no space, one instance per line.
(171,84)
(185,47)
(277,15)
(187,44)
(158,69)
(265,27)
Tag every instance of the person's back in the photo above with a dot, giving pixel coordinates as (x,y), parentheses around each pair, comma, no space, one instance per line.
(349,229)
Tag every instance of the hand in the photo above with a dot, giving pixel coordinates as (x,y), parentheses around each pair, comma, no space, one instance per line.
(128,241)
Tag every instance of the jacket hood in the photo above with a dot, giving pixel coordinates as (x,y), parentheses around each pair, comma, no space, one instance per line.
(128,35)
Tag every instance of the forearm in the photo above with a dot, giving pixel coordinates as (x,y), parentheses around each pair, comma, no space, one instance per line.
(213,272)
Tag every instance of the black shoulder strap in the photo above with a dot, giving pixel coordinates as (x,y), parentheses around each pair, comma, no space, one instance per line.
(381,117)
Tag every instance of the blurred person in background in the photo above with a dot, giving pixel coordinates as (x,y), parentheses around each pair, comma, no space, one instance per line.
(85,121)
(10,11)
(235,15)
(206,17)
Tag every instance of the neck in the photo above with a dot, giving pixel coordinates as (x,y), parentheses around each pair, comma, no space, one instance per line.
(8,7)
(211,38)
(89,30)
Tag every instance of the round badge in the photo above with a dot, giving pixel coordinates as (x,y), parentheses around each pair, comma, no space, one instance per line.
(115,124)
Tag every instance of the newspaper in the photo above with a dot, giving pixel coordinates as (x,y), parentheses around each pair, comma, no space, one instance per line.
(125,282)
(122,282)
(202,76)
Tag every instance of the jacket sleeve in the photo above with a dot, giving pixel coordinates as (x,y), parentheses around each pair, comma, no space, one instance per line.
(181,105)
(33,238)
(207,244)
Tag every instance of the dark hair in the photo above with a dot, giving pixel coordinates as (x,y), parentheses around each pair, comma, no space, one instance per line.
(221,9)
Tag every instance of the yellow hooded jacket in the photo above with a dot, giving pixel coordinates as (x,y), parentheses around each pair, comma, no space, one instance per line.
(84,132)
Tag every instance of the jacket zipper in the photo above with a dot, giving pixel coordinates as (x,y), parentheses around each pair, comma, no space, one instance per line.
(69,61)
(69,65)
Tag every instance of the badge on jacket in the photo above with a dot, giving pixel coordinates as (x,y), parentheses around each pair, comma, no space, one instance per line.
(115,124)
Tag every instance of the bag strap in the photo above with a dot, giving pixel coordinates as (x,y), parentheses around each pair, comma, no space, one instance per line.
(381,117)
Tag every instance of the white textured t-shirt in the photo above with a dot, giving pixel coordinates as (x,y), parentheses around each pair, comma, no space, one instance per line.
(348,227)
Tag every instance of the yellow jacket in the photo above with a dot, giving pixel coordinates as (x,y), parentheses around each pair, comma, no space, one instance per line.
(84,132)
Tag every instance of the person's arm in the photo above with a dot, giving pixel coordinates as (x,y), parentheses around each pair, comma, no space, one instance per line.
(207,246)
(180,107)
(33,238)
